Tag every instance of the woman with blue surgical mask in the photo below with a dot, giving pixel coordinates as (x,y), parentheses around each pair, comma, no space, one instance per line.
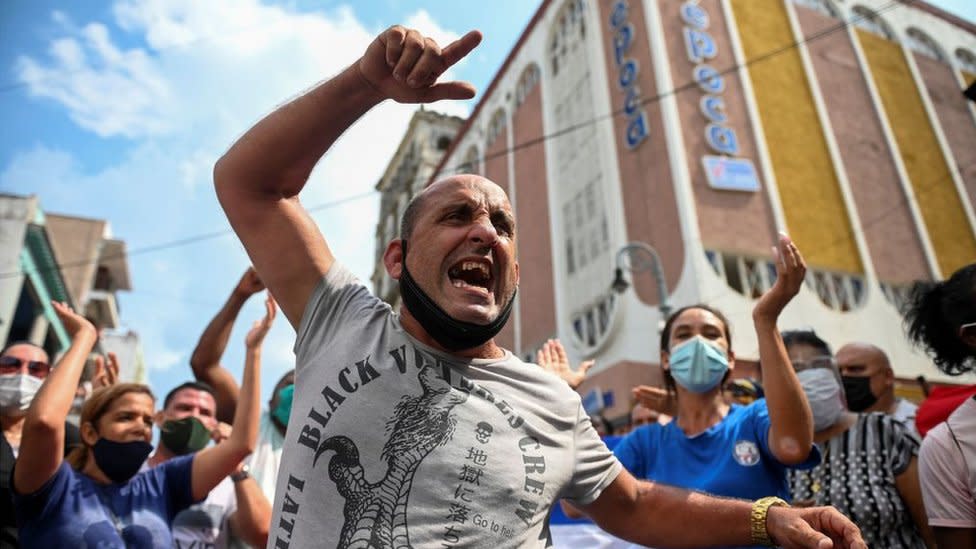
(716,447)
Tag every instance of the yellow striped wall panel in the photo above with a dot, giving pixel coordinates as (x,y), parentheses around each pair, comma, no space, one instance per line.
(809,191)
(935,191)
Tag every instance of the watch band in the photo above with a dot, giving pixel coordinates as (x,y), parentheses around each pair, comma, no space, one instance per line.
(760,508)
(243,474)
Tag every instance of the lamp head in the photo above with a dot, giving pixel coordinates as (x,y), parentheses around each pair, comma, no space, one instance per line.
(619,284)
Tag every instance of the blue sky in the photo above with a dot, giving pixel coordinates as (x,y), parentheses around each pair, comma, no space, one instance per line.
(118,110)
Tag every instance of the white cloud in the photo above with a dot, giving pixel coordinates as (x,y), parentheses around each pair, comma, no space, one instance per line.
(162,358)
(40,165)
(204,73)
(104,89)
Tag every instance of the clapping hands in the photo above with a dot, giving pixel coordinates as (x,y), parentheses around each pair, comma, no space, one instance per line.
(790,272)
(261,327)
(552,357)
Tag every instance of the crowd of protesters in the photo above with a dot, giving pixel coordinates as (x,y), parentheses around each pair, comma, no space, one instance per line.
(817,453)
(868,464)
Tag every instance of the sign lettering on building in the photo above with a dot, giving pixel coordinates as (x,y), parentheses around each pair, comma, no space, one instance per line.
(723,169)
(627,71)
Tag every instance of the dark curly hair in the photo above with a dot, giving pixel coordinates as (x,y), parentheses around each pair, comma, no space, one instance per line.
(934,314)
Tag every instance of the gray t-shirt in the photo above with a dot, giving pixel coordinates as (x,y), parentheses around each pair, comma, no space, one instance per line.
(394,444)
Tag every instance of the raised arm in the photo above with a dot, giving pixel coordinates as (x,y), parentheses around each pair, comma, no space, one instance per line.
(658,515)
(791,421)
(251,521)
(259,178)
(212,464)
(42,442)
(205,360)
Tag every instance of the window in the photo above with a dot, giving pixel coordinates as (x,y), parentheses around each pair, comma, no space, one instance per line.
(470,164)
(592,324)
(569,31)
(920,42)
(586,227)
(896,294)
(495,127)
(823,6)
(749,276)
(579,194)
(866,19)
(753,276)
(443,142)
(839,291)
(527,82)
(967,60)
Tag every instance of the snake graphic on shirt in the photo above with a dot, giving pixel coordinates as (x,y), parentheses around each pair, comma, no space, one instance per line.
(375,514)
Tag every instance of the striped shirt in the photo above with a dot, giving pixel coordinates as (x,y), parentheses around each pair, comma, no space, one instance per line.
(857,476)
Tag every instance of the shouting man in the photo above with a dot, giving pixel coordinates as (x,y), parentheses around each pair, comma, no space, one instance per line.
(423,407)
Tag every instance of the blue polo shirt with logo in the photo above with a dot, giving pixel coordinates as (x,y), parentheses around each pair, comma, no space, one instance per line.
(731,458)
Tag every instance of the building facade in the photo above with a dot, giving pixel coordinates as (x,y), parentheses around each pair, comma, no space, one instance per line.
(29,277)
(427,138)
(47,256)
(700,129)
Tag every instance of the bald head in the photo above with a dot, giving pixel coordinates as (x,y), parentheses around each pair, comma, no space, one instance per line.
(859,352)
(864,361)
(412,212)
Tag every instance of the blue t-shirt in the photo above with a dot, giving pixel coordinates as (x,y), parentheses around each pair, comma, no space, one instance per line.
(72,510)
(731,458)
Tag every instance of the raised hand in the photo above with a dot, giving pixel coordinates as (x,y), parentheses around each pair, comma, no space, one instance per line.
(249,284)
(106,373)
(790,272)
(654,398)
(404,65)
(552,357)
(261,327)
(73,322)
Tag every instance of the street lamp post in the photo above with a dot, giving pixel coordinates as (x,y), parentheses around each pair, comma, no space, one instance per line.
(638,257)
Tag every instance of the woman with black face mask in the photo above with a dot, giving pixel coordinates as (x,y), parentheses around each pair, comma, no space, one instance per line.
(97,497)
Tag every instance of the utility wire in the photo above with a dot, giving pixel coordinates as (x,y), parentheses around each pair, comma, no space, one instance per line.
(525,144)
(175,243)
(693,84)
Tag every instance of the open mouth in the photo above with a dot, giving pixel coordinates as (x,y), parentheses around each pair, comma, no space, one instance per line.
(471,274)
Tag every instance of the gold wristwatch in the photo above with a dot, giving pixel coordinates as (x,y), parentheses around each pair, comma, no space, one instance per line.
(760,508)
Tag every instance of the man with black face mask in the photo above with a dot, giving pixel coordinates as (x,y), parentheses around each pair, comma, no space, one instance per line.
(869,383)
(418,429)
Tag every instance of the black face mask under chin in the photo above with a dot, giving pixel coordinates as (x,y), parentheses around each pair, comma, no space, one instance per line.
(453,335)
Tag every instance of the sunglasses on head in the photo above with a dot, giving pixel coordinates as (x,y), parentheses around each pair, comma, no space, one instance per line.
(12,364)
(815,362)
